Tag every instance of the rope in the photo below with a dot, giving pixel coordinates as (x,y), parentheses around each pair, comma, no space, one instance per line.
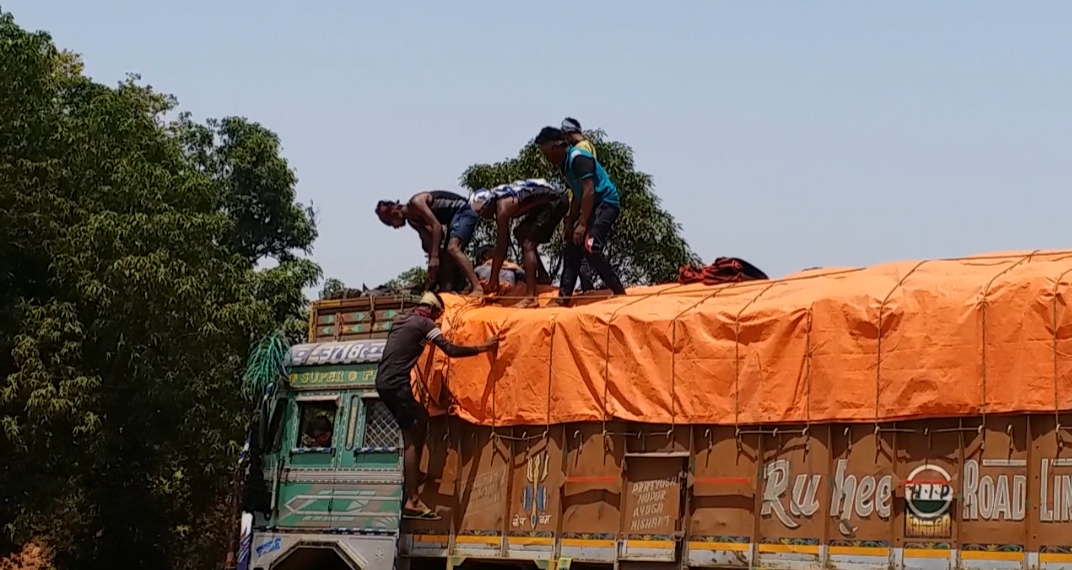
(737,358)
(878,334)
(982,310)
(606,362)
(1056,401)
(550,371)
(673,325)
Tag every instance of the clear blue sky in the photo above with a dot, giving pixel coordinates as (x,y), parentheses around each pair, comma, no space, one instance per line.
(789,134)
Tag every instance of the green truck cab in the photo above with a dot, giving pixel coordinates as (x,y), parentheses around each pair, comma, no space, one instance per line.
(322,472)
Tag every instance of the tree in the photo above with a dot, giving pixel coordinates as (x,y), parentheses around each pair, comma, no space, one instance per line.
(129,297)
(257,190)
(646,247)
(331,286)
(412,277)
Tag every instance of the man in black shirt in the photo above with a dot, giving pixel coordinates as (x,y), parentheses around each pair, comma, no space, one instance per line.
(409,335)
(435,215)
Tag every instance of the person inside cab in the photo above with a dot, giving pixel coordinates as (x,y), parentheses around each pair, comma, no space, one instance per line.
(409,335)
(438,217)
(319,432)
(542,207)
(592,215)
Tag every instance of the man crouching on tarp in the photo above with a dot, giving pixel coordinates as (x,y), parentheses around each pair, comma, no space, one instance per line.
(405,343)
(542,206)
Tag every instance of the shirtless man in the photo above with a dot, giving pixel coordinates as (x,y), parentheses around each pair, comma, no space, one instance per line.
(434,215)
(541,205)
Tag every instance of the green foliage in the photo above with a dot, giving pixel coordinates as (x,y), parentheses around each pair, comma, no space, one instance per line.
(330,287)
(646,247)
(267,364)
(411,277)
(129,300)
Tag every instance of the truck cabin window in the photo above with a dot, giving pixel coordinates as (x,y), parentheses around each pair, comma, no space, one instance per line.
(317,424)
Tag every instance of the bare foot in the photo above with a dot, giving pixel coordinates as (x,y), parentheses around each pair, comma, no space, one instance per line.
(527,302)
(477,292)
(418,510)
(416,505)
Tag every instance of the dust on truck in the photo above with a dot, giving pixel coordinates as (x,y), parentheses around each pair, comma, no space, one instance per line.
(911,415)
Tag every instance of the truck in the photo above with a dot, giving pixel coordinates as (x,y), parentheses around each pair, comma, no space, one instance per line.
(984,486)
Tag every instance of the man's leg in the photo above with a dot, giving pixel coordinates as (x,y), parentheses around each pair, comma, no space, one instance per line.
(413,422)
(532,263)
(543,277)
(461,231)
(599,230)
(538,228)
(530,258)
(544,230)
(586,276)
(412,447)
(571,265)
(446,274)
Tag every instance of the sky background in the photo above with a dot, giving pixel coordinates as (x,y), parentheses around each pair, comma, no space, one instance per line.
(792,135)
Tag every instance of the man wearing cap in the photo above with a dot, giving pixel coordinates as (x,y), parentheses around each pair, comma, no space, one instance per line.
(575,136)
(409,334)
(592,214)
(437,215)
(542,205)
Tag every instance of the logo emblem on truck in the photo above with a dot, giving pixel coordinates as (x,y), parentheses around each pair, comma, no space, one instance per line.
(534,497)
(928,498)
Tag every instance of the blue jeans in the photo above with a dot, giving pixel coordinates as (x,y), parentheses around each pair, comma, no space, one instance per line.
(462,225)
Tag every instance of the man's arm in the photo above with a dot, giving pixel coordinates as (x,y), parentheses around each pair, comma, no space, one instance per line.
(456,351)
(426,238)
(505,208)
(584,169)
(574,212)
(419,205)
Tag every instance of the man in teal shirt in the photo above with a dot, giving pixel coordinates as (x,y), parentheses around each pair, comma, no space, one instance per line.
(593,211)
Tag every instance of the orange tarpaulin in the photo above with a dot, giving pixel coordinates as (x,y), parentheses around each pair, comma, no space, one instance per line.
(987,334)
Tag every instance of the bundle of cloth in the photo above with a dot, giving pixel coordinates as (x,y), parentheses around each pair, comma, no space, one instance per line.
(723,270)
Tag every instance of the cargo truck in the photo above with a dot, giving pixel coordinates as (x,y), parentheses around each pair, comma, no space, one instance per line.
(977,487)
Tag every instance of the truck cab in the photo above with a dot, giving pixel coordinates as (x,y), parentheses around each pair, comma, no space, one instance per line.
(323,470)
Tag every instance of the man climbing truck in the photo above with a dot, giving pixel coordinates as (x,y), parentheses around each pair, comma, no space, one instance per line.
(409,335)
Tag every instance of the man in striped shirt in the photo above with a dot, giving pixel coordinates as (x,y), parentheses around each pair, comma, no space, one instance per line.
(409,334)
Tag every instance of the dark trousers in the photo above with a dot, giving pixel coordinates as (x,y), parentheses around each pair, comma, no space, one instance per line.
(586,276)
(599,227)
